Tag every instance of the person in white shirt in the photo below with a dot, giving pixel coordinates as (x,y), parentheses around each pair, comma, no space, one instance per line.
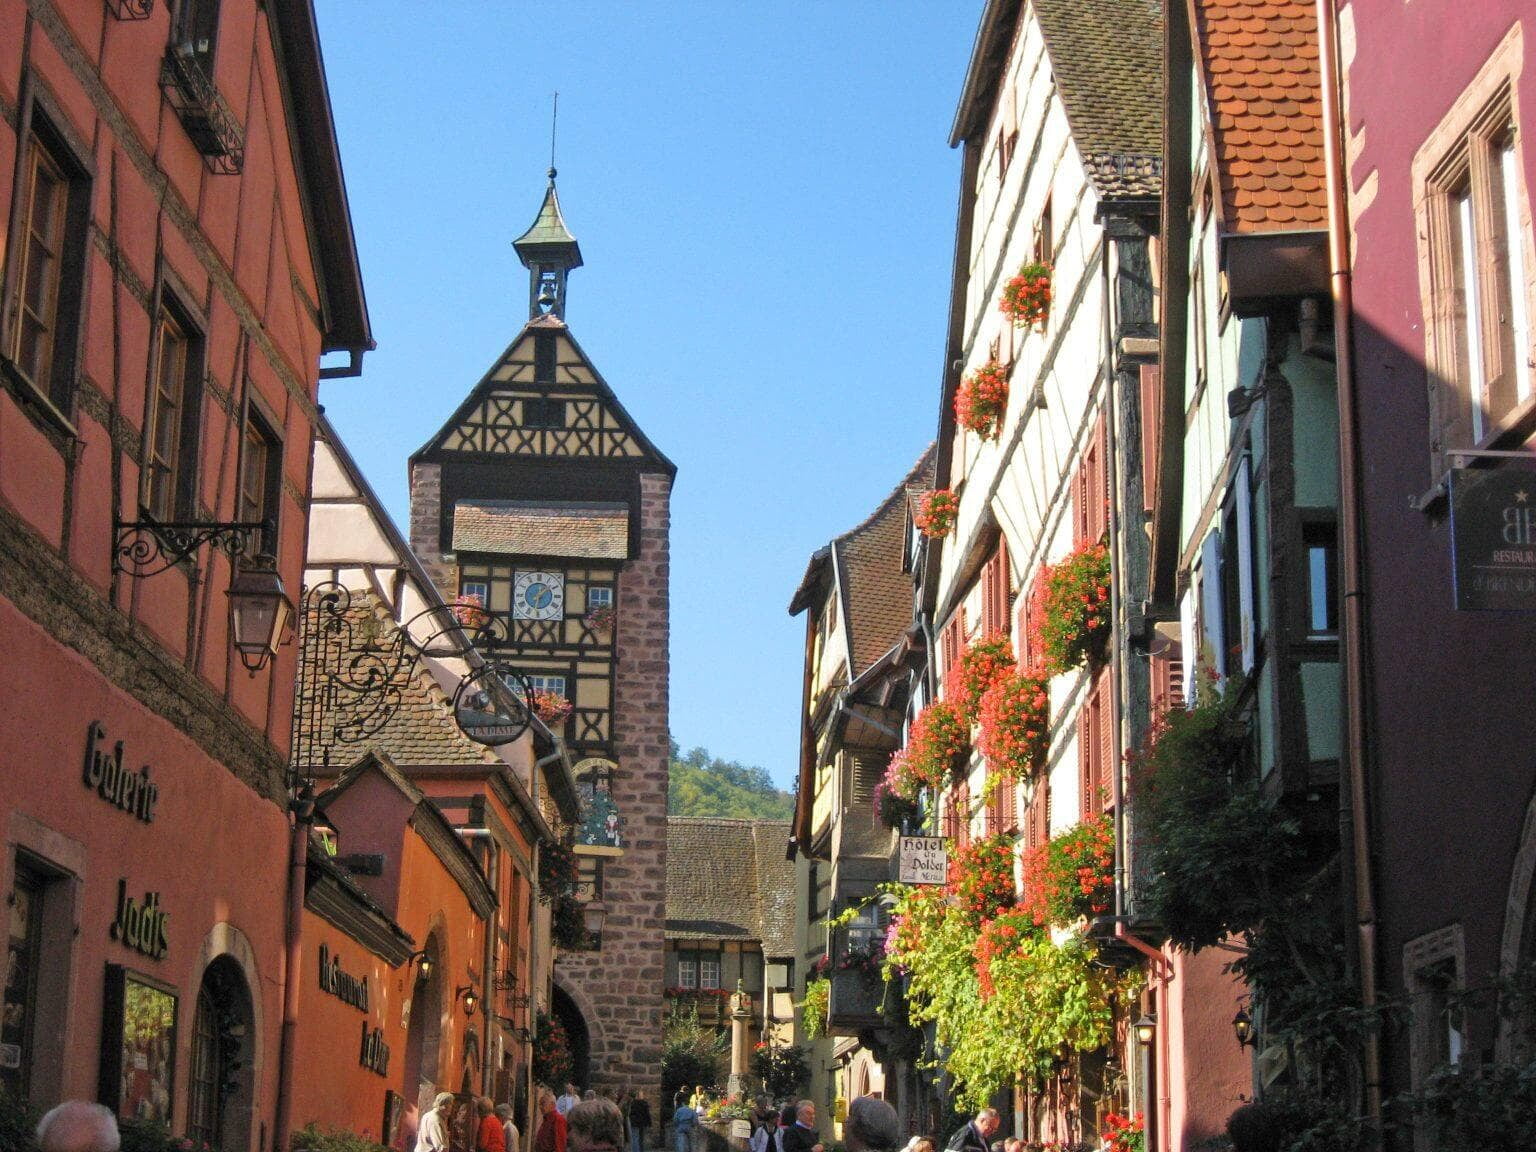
(510,1136)
(432,1134)
(568,1100)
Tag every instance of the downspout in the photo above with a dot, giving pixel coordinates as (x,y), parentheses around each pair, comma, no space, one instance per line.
(488,970)
(303,808)
(1116,592)
(1352,599)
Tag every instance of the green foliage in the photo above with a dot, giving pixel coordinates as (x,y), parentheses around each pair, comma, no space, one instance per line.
(567,925)
(149,1136)
(782,1069)
(17,1124)
(313,1138)
(691,1054)
(701,785)
(813,1009)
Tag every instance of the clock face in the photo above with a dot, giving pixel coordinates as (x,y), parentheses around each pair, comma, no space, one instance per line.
(538,596)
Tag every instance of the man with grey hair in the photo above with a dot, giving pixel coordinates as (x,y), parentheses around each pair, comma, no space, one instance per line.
(872,1126)
(977,1135)
(801,1136)
(78,1126)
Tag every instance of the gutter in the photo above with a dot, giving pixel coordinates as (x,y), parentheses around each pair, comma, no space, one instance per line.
(1353,808)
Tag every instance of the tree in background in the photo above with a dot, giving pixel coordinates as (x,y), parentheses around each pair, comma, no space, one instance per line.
(702,785)
(691,1054)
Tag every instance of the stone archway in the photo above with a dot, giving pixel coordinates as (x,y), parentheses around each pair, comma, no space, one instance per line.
(1517,946)
(578,1035)
(224,1044)
(424,1028)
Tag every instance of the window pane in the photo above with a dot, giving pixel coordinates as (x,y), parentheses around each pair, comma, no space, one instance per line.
(1472,336)
(1519,321)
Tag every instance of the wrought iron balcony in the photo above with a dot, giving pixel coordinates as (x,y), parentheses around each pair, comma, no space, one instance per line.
(202,111)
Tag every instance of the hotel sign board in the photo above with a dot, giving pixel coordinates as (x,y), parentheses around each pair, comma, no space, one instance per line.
(923,860)
(1493,539)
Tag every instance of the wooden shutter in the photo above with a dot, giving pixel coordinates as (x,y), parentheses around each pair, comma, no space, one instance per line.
(1038,819)
(1167,670)
(952,642)
(1151,431)
(994,592)
(1108,761)
(950,826)
(962,795)
(1096,748)
(1005,802)
(1090,490)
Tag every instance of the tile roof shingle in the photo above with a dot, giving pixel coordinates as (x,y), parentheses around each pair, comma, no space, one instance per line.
(517,527)
(1260,64)
(728,879)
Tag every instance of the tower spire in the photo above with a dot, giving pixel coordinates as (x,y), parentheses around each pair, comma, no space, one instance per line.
(547,249)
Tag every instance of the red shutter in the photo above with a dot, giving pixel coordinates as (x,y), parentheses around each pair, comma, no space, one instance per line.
(1108,761)
(994,593)
(1087,742)
(1007,803)
(1167,680)
(962,795)
(952,642)
(1151,431)
(1096,748)
(1038,818)
(1098,484)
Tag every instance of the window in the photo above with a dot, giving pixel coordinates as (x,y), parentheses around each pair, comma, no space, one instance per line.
(1321,543)
(1434,968)
(18,1020)
(543,412)
(687,974)
(1037,828)
(599,596)
(261,480)
(171,427)
(1096,748)
(49,267)
(1045,234)
(995,590)
(197,33)
(477,590)
(1475,258)
(1090,490)
(543,357)
(554,684)
(709,974)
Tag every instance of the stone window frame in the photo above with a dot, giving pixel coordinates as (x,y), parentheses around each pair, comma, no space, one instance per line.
(1453,156)
(1423,956)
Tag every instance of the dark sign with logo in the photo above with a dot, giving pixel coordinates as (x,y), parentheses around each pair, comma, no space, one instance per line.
(490,707)
(1493,539)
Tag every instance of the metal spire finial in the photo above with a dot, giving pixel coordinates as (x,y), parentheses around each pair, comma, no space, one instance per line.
(554,118)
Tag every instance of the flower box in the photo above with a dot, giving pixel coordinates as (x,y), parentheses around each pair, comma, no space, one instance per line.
(1015,716)
(936,512)
(981,401)
(1027,296)
(1070,615)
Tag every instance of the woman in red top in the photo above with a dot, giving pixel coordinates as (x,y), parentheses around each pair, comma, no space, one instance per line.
(489,1138)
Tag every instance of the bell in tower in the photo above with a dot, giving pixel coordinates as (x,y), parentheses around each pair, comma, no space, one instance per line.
(549,252)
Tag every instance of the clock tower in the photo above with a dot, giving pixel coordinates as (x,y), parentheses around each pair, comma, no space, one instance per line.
(542,500)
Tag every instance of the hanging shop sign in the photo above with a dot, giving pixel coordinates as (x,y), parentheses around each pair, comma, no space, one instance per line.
(141,924)
(601,823)
(340,983)
(1493,538)
(121,787)
(923,860)
(138,1046)
(374,1054)
(491,706)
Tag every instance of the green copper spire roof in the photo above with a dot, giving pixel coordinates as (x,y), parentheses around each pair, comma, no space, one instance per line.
(548,241)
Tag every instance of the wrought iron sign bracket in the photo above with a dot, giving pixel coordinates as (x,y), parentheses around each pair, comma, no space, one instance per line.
(149,547)
(131,9)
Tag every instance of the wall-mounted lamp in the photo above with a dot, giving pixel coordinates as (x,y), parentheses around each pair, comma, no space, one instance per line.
(423,963)
(1242,1026)
(468,995)
(593,913)
(1146,1028)
(259,611)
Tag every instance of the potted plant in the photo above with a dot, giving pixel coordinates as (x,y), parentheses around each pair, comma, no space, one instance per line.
(550,707)
(1072,875)
(1027,296)
(600,619)
(981,401)
(936,742)
(981,665)
(1015,716)
(935,513)
(469,611)
(1071,609)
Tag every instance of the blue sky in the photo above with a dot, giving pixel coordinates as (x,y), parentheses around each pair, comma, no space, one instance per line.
(765,200)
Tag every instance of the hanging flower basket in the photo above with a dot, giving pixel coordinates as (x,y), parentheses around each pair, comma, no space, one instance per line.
(469,611)
(981,401)
(981,878)
(1071,876)
(936,512)
(893,809)
(1015,717)
(550,707)
(980,666)
(1072,610)
(600,619)
(938,738)
(1124,1133)
(1027,297)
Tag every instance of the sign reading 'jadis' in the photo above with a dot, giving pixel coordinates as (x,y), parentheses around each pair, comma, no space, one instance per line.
(923,860)
(1493,538)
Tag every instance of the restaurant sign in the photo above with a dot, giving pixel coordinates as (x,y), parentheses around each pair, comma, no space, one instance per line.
(923,860)
(1493,539)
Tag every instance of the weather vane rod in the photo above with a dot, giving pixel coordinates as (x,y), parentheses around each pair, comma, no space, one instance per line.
(554,118)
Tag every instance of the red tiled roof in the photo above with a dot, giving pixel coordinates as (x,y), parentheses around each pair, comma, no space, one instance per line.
(511,527)
(1259,59)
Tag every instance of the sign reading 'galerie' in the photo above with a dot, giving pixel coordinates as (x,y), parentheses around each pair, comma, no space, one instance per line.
(1493,538)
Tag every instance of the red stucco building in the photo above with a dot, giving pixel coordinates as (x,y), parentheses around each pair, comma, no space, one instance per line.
(177,258)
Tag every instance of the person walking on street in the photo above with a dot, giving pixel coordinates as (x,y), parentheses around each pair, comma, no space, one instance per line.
(872,1126)
(683,1121)
(595,1125)
(977,1135)
(510,1136)
(432,1132)
(550,1136)
(568,1100)
(488,1136)
(639,1122)
(801,1136)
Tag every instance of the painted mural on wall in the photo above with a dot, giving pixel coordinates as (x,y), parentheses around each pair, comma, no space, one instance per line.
(601,823)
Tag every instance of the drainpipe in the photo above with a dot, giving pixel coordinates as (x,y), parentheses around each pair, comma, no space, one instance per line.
(1352,600)
(303,808)
(1159,977)
(488,969)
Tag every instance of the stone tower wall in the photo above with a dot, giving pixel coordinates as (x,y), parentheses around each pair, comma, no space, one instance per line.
(426,511)
(623,980)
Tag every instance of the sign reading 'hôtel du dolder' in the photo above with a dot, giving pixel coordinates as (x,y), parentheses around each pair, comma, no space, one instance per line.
(1493,538)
